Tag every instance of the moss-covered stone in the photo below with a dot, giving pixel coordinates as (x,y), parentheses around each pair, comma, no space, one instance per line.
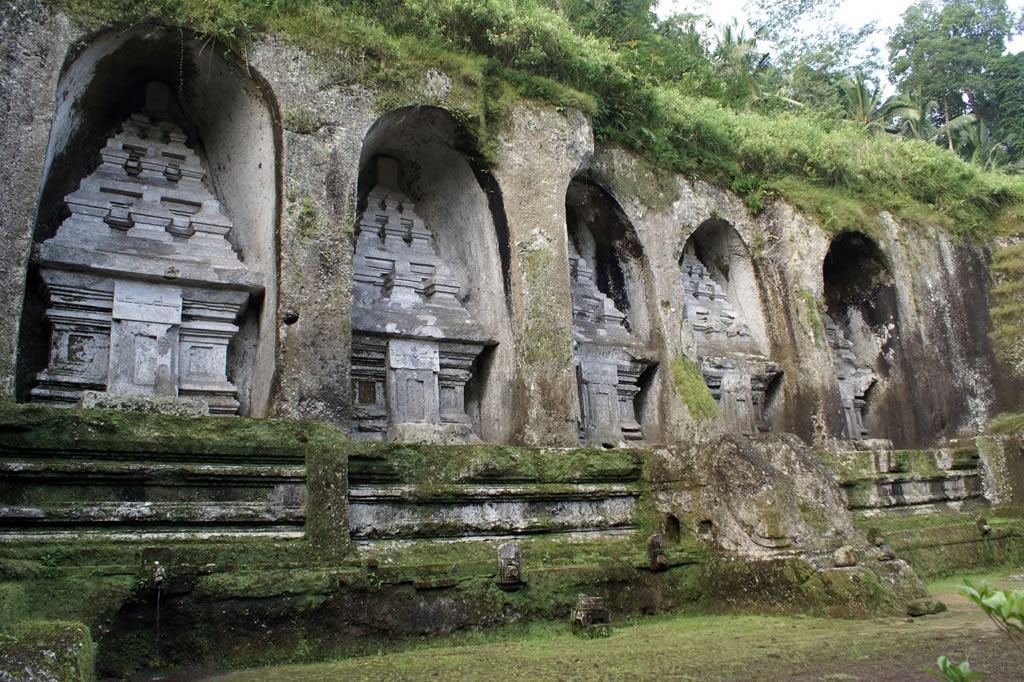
(461,464)
(262,584)
(12,605)
(796,585)
(1003,456)
(107,434)
(550,343)
(50,650)
(937,552)
(848,465)
(918,462)
(327,524)
(690,385)
(813,315)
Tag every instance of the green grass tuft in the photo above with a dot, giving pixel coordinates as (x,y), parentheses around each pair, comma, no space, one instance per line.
(1008,423)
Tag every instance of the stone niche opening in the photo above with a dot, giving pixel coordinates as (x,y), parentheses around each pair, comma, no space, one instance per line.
(431,336)
(723,308)
(154,272)
(616,366)
(862,326)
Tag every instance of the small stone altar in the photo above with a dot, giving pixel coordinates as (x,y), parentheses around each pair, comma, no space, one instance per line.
(590,618)
(144,289)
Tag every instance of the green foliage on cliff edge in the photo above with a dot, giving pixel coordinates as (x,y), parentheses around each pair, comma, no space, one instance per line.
(678,116)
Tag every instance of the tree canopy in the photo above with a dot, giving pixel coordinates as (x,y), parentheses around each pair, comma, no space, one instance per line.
(947,50)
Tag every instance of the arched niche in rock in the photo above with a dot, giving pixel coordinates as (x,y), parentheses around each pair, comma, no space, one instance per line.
(609,281)
(155,271)
(862,325)
(723,308)
(431,336)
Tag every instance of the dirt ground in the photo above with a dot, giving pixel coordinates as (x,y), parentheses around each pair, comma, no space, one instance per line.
(728,647)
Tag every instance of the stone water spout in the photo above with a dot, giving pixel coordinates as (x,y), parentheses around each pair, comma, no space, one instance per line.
(157,579)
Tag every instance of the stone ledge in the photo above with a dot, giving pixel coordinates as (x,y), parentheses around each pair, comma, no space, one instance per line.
(181,407)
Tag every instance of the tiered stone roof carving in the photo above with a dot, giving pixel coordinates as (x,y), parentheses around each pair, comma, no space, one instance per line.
(144,287)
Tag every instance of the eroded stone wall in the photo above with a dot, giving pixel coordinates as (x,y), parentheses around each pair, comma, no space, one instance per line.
(691,272)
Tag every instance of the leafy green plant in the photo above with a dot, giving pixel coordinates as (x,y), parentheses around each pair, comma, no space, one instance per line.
(953,672)
(1004,607)
(654,87)
(689,382)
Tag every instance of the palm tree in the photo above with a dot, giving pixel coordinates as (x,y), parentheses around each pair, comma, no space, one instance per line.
(914,121)
(737,60)
(864,104)
(977,144)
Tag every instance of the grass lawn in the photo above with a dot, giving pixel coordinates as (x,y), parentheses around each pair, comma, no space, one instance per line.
(707,647)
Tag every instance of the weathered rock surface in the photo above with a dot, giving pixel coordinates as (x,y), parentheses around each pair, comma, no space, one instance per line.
(754,497)
(925,606)
(49,652)
(766,305)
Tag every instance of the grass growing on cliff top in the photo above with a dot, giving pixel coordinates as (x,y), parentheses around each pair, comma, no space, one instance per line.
(680,119)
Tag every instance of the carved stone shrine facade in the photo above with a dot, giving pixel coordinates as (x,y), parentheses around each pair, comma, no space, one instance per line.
(854,381)
(144,290)
(414,344)
(735,370)
(608,361)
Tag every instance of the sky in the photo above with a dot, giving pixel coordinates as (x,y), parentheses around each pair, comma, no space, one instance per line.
(852,13)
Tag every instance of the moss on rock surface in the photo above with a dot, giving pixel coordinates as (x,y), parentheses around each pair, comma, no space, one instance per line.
(232,601)
(50,650)
(797,585)
(459,464)
(690,386)
(102,434)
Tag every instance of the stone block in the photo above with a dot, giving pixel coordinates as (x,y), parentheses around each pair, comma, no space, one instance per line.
(656,552)
(53,651)
(925,606)
(590,618)
(327,508)
(510,565)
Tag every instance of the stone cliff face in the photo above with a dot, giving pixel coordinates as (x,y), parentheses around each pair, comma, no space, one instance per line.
(540,301)
(696,386)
